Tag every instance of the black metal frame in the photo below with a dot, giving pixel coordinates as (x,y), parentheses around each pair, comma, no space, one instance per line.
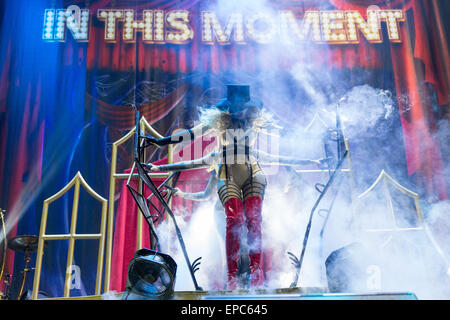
(142,202)
(322,189)
(298,261)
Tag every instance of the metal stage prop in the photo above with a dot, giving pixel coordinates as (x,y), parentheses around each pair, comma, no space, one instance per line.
(157,192)
(299,261)
(26,244)
(337,136)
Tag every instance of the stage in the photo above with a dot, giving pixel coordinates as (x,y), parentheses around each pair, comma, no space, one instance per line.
(278,294)
(224,150)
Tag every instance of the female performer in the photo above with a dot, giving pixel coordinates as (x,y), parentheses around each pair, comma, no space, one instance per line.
(236,121)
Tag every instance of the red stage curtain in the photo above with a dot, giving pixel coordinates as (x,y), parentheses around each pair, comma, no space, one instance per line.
(423,154)
(419,147)
(428,47)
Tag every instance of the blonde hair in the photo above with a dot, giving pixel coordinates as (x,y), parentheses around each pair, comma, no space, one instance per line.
(264,120)
(215,119)
(219,120)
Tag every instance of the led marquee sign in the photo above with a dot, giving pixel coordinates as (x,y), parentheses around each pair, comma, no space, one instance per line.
(175,26)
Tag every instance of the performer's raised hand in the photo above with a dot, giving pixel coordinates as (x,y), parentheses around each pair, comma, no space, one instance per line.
(155,168)
(322,163)
(151,139)
(177,192)
(165,140)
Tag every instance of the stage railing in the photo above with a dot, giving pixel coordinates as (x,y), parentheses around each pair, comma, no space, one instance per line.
(76,182)
(114,176)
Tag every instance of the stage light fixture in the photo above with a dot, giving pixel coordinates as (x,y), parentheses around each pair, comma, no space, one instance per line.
(151,276)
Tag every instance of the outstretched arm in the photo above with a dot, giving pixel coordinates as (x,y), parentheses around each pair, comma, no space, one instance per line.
(266,158)
(178,137)
(204,162)
(203,195)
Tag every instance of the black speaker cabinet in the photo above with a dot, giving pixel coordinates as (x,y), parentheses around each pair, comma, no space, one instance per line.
(351,269)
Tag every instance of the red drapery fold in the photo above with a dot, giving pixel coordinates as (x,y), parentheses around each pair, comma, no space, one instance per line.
(440,57)
(422,151)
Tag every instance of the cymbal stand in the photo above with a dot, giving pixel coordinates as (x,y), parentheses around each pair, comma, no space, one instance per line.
(24,272)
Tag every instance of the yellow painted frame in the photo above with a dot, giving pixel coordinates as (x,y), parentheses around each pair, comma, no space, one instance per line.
(385,178)
(2,218)
(76,182)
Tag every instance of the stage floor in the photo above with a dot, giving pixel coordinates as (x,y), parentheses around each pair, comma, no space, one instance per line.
(300,293)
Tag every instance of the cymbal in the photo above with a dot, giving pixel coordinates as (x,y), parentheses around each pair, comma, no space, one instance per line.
(24,243)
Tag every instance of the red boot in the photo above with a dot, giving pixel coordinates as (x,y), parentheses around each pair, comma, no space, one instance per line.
(253,209)
(235,221)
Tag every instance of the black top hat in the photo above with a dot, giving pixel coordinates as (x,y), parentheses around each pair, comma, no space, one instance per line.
(238,93)
(238,99)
